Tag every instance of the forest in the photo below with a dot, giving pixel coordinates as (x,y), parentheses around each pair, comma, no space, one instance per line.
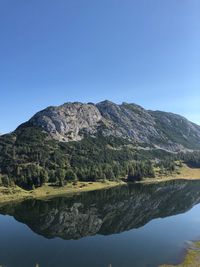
(29,158)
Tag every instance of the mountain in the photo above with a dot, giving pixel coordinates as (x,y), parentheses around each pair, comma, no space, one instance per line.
(71,121)
(91,142)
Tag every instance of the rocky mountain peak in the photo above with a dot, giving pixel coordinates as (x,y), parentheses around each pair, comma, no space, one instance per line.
(72,120)
(65,122)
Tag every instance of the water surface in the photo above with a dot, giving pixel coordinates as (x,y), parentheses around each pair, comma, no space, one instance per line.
(136,225)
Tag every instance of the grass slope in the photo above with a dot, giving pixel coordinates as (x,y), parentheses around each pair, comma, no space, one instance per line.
(16,193)
(185,172)
(192,258)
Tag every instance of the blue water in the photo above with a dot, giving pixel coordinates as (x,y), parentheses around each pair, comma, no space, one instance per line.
(157,242)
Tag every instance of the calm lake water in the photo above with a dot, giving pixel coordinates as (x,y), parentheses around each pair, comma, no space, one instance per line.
(127,226)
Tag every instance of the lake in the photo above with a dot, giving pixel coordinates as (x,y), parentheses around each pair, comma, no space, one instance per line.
(127,226)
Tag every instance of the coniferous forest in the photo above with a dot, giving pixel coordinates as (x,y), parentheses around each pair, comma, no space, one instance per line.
(28,158)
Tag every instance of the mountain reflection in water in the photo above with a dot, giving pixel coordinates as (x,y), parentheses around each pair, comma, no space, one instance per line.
(107,211)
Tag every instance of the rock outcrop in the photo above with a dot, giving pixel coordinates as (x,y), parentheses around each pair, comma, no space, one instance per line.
(72,121)
(66,122)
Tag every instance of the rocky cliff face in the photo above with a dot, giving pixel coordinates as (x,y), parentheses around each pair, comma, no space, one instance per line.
(71,121)
(66,122)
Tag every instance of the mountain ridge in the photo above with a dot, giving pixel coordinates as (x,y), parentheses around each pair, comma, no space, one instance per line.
(96,142)
(71,121)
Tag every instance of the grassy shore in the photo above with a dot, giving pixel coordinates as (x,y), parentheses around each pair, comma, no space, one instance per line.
(183,172)
(192,257)
(46,191)
(16,193)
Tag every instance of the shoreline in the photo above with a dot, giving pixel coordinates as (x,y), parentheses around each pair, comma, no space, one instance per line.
(165,179)
(47,191)
(184,173)
(15,194)
(191,257)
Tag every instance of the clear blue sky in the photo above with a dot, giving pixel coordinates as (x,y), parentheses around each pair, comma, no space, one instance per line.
(141,51)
